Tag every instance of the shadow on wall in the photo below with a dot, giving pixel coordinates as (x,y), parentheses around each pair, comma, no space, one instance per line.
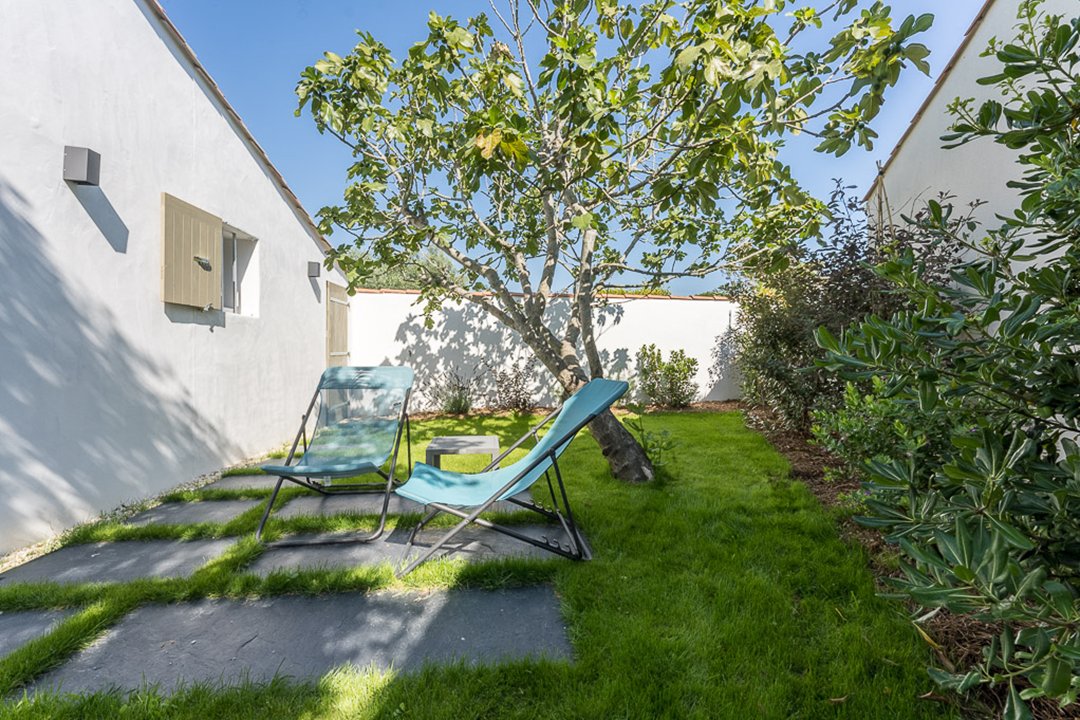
(724,371)
(467,341)
(104,215)
(88,420)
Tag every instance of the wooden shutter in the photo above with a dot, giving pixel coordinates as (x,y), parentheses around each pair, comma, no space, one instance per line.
(191,242)
(337,325)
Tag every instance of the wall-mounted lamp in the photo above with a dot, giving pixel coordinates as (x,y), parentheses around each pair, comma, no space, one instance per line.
(82,166)
(314,269)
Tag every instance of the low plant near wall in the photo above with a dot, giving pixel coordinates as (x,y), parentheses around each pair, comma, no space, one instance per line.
(452,392)
(668,383)
(513,386)
(976,473)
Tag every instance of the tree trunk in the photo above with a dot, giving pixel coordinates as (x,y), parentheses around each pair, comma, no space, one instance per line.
(625,456)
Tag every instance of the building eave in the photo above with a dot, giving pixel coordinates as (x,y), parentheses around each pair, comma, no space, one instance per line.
(938,84)
(238,125)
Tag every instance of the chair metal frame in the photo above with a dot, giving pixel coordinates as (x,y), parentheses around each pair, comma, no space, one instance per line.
(327,488)
(577,549)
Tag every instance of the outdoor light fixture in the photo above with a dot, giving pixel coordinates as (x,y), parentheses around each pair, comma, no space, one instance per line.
(314,269)
(82,166)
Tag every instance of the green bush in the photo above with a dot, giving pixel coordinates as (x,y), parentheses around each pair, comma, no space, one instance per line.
(983,371)
(831,285)
(670,383)
(873,424)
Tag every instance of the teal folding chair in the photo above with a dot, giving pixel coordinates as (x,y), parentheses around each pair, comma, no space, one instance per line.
(468,495)
(362,412)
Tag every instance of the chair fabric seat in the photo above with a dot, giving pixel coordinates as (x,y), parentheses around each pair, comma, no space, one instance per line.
(356,447)
(429,484)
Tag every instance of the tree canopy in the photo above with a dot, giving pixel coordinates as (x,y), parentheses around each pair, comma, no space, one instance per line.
(569,147)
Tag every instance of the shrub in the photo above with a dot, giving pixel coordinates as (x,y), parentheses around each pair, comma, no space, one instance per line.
(670,383)
(513,387)
(831,285)
(452,392)
(984,368)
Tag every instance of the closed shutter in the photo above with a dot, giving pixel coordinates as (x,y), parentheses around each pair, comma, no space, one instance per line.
(190,255)
(337,325)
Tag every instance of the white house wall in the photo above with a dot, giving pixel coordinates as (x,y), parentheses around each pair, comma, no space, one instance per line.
(107,394)
(386,327)
(980,170)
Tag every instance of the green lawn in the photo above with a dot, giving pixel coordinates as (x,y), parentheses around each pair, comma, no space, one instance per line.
(720,591)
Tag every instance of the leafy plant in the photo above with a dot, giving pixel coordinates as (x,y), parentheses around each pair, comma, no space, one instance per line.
(667,383)
(831,285)
(989,524)
(582,146)
(656,444)
(452,392)
(513,387)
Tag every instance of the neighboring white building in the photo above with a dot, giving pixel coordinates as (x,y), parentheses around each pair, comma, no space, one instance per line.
(107,392)
(918,169)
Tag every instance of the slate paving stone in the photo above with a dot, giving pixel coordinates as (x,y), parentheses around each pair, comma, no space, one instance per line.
(364,504)
(19,628)
(224,641)
(473,544)
(242,482)
(188,513)
(117,561)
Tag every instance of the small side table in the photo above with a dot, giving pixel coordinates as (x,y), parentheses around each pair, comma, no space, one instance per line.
(461,445)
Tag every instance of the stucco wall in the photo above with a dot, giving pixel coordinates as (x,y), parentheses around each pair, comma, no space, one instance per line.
(107,394)
(980,170)
(386,327)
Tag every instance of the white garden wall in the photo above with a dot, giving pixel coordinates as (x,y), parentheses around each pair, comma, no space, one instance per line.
(386,327)
(107,394)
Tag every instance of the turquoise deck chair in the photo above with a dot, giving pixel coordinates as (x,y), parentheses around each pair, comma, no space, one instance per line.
(468,495)
(362,412)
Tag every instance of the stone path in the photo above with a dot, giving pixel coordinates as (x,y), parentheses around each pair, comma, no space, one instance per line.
(473,544)
(305,637)
(298,636)
(19,628)
(242,482)
(190,513)
(118,561)
(363,504)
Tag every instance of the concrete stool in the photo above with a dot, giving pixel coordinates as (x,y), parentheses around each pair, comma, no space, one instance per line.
(461,445)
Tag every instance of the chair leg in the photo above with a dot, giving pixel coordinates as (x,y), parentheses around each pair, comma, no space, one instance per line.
(412,538)
(433,549)
(269,507)
(571,527)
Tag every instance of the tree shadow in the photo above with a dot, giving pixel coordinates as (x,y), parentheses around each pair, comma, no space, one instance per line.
(89,420)
(467,341)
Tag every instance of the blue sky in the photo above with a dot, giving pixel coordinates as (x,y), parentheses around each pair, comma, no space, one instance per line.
(255,50)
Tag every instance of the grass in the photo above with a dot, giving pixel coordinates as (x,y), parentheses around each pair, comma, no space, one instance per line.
(722,592)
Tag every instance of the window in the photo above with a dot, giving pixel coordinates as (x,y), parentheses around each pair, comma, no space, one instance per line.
(206,263)
(239,287)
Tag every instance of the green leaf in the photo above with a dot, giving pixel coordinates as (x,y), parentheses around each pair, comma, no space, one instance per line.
(1012,536)
(928,396)
(687,57)
(1015,708)
(1057,678)
(583,221)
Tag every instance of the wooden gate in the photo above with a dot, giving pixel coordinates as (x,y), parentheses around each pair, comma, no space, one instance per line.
(337,325)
